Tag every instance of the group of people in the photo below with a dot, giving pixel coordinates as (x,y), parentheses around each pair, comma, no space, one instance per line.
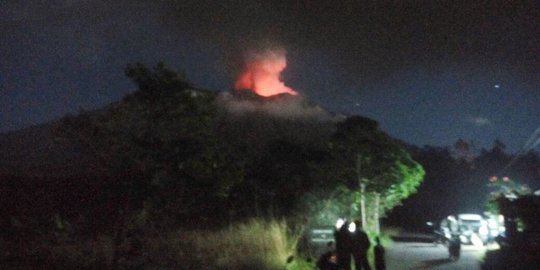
(352,243)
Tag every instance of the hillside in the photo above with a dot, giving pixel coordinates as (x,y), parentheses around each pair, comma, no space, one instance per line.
(245,119)
(34,151)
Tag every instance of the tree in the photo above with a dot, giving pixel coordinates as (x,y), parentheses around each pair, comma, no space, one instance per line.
(365,155)
(160,142)
(439,195)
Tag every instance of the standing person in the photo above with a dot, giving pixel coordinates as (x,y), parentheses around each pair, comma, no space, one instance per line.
(454,247)
(380,263)
(359,247)
(343,245)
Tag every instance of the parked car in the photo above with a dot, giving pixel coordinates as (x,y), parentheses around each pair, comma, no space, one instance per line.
(472,228)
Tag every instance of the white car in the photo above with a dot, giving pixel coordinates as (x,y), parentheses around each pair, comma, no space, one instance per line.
(472,228)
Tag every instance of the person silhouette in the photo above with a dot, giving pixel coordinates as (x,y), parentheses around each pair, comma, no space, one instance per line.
(454,247)
(378,251)
(359,246)
(343,245)
(327,260)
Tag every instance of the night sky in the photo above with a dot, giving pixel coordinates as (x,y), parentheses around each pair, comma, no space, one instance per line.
(429,73)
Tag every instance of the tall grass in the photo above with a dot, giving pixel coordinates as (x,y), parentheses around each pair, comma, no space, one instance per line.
(254,244)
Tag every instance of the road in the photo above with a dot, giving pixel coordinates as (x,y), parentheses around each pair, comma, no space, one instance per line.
(416,255)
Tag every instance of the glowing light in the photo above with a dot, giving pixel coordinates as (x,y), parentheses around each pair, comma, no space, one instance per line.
(493,179)
(262,73)
(474,217)
(352,227)
(506,179)
(339,223)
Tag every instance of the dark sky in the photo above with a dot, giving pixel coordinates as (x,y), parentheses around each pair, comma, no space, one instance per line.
(429,73)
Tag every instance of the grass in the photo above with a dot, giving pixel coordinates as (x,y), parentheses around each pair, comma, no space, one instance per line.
(255,244)
(258,243)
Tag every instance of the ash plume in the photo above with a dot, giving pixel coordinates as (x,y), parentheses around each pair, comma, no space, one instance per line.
(261,72)
(251,122)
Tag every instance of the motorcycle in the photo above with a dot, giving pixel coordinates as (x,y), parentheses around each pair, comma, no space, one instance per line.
(438,236)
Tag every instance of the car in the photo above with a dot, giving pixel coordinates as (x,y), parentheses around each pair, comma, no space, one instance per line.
(472,228)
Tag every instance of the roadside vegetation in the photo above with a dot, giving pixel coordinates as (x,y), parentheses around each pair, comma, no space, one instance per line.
(191,179)
(253,244)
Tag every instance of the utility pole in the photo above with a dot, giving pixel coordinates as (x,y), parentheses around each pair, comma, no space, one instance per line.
(377,209)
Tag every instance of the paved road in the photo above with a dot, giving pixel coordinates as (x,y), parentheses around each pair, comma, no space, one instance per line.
(414,255)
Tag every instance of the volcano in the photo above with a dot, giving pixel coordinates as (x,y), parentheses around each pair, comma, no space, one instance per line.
(261,73)
(245,118)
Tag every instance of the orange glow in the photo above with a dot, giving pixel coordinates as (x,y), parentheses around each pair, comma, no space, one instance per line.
(262,74)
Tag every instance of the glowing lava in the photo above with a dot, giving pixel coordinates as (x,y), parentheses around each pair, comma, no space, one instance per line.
(261,74)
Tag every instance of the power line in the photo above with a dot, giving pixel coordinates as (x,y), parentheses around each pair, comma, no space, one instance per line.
(530,144)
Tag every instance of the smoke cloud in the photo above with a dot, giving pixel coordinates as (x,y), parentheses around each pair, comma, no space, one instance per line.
(284,107)
(479,121)
(261,120)
(261,73)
